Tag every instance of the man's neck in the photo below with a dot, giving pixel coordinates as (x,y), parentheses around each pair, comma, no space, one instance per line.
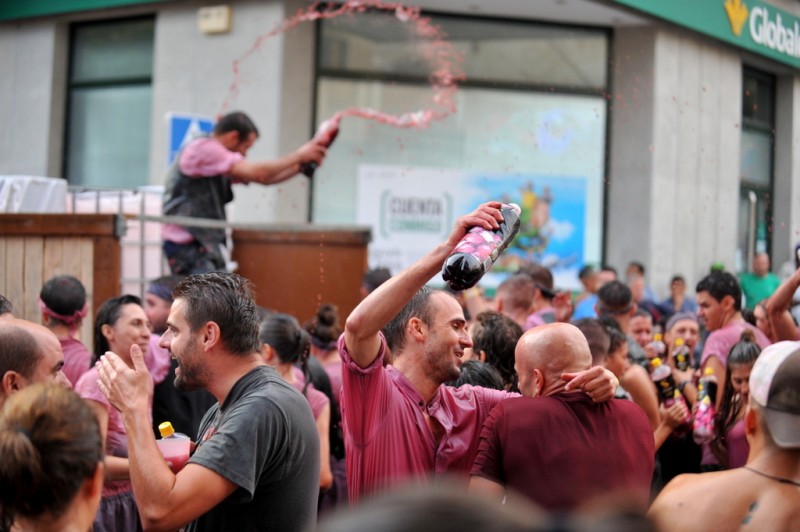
(425,386)
(230,368)
(736,317)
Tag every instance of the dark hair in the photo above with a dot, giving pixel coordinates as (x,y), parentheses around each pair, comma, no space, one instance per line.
(586,271)
(638,266)
(227,300)
(236,121)
(497,336)
(477,373)
(517,291)
(608,268)
(108,314)
(417,307)
(19,350)
(614,297)
(615,335)
(643,313)
(324,327)
(5,305)
(676,278)
(50,442)
(292,343)
(597,336)
(322,382)
(164,285)
(721,284)
(63,294)
(376,277)
(744,352)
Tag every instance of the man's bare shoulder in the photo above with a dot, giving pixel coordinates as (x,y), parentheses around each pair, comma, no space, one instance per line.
(726,500)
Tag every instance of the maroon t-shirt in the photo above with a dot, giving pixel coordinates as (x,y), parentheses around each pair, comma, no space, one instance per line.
(562,450)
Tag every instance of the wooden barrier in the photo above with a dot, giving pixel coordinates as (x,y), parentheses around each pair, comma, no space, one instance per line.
(35,247)
(297,269)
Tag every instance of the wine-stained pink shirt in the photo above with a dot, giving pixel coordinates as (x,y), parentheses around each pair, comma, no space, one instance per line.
(387,438)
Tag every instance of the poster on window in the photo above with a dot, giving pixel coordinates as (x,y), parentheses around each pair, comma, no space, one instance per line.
(412,209)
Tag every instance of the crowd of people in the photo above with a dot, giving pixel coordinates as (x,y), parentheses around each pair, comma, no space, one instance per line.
(527,410)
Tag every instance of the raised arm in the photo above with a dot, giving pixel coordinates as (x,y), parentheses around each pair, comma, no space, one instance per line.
(778,306)
(272,171)
(166,501)
(378,308)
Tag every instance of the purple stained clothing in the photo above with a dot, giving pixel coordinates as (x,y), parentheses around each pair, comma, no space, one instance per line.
(388,440)
(316,398)
(720,342)
(563,450)
(77,359)
(116,435)
(540,317)
(736,443)
(334,371)
(158,360)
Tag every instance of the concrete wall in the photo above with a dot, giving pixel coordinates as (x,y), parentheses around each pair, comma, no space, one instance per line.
(674,154)
(786,226)
(33,62)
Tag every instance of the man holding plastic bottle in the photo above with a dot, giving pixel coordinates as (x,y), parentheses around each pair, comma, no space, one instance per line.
(256,464)
(400,422)
(199,183)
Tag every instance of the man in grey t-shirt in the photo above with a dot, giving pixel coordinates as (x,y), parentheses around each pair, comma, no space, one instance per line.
(256,464)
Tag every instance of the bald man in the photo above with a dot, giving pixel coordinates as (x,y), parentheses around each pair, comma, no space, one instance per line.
(29,353)
(556,447)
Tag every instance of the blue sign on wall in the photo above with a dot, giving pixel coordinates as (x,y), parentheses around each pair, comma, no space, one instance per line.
(183,128)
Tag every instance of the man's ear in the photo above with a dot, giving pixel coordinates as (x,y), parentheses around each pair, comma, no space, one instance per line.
(482,355)
(12,382)
(727,302)
(211,335)
(538,382)
(634,308)
(417,328)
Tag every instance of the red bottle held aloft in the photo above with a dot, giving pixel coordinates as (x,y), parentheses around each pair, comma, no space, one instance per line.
(479,249)
(325,135)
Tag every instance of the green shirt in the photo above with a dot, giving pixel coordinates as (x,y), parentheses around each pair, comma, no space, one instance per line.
(757,288)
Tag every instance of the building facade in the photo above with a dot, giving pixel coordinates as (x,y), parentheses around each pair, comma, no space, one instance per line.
(665,133)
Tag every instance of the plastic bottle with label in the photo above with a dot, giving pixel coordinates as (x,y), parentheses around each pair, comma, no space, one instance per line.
(667,391)
(658,346)
(703,424)
(174,446)
(479,249)
(681,355)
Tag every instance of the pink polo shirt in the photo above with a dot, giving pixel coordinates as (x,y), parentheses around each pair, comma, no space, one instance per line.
(387,438)
(202,157)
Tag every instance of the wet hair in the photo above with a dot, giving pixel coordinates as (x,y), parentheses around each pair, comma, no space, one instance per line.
(477,373)
(292,343)
(744,353)
(50,443)
(324,327)
(643,313)
(227,300)
(108,314)
(719,284)
(419,306)
(19,350)
(614,297)
(64,295)
(236,121)
(497,336)
(597,336)
(5,305)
